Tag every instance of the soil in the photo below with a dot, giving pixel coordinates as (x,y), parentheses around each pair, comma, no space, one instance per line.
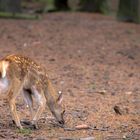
(94,60)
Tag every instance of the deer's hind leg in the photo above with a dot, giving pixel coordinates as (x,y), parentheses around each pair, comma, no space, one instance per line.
(27,94)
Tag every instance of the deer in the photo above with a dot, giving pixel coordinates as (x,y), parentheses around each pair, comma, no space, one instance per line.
(22,75)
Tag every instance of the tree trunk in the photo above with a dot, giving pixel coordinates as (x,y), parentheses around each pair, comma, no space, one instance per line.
(129,10)
(113,6)
(89,5)
(53,5)
(49,6)
(61,4)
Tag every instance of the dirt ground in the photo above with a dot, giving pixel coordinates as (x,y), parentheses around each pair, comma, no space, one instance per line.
(94,60)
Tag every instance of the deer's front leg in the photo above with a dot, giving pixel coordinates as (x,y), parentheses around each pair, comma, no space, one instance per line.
(14,92)
(14,112)
(40,99)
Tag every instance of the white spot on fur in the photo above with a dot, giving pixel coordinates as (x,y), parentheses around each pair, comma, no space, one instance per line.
(60,98)
(4,68)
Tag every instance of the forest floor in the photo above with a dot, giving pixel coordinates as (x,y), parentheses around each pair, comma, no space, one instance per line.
(94,60)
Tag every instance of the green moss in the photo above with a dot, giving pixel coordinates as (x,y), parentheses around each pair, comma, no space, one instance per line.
(24,131)
(18,15)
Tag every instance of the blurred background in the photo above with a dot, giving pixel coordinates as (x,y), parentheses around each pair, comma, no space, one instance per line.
(124,10)
(91,50)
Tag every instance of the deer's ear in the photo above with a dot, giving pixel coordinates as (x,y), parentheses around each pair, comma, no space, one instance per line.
(60,97)
(4,66)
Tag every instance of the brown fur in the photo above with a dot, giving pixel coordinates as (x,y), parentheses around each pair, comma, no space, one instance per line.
(24,75)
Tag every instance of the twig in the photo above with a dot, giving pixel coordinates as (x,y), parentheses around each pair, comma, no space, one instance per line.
(100,129)
(88,128)
(80,127)
(69,129)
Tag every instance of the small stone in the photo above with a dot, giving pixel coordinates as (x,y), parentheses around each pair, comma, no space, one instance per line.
(51,59)
(117,110)
(62,82)
(82,126)
(25,45)
(128,92)
(124,137)
(103,92)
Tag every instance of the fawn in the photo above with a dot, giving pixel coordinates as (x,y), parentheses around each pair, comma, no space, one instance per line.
(22,75)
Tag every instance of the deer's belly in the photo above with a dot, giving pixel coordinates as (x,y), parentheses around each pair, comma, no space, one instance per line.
(3,85)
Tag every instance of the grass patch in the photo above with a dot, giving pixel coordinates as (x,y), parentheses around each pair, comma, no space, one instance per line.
(24,131)
(93,86)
